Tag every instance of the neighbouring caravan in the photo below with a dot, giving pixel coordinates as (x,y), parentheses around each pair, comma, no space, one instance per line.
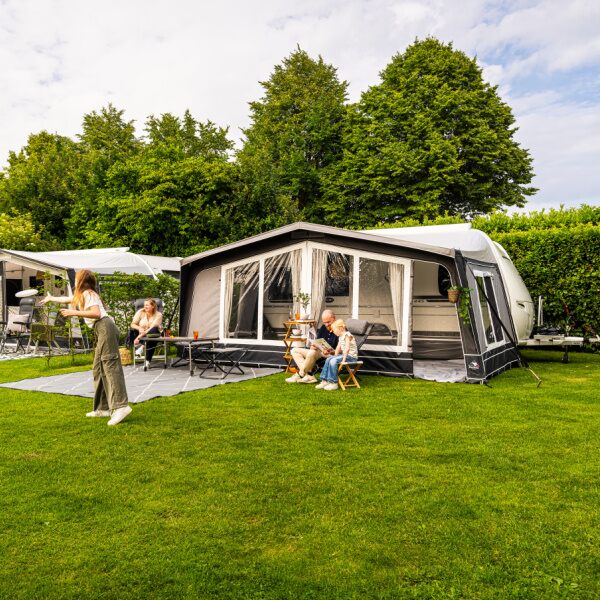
(394,278)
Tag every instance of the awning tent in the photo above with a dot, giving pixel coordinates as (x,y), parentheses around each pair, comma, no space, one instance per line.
(20,269)
(394,278)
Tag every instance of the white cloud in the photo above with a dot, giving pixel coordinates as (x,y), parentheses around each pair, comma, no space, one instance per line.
(63,58)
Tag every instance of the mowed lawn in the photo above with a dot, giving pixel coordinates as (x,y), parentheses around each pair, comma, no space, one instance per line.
(403,489)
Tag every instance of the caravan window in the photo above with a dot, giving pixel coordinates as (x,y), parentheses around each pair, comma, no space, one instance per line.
(489,311)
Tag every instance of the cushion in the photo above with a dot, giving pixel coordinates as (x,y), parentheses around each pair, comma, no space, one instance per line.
(357,326)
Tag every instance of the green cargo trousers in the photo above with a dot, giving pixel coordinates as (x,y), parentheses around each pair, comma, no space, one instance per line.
(109,380)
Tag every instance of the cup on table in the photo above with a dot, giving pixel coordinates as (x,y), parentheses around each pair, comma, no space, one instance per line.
(195,334)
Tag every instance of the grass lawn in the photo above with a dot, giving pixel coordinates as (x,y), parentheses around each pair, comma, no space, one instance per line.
(403,489)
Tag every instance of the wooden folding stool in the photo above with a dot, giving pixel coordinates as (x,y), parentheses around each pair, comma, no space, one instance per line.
(348,370)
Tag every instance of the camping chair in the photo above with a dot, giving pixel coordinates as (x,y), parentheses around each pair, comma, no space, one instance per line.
(347,371)
(18,325)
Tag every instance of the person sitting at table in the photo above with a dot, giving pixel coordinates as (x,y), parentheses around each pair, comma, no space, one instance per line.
(306,358)
(147,320)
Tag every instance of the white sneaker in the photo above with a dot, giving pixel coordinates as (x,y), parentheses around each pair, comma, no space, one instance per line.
(139,351)
(147,364)
(308,379)
(98,413)
(119,414)
(295,378)
(330,387)
(321,385)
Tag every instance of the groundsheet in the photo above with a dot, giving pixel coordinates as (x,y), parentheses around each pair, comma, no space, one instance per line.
(141,385)
(446,371)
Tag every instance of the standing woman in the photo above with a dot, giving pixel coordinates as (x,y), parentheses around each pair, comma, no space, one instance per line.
(110,397)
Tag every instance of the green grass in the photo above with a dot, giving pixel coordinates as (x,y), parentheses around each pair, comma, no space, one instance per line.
(403,489)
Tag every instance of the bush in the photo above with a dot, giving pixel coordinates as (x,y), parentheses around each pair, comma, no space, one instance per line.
(119,291)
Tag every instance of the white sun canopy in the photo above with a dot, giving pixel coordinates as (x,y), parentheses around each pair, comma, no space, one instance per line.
(104,261)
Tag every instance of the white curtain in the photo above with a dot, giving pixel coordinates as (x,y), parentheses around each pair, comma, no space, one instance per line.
(319,275)
(228,283)
(296,272)
(396,283)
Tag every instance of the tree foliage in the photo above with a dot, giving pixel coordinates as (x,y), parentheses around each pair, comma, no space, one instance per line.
(41,180)
(296,133)
(171,197)
(18,232)
(431,137)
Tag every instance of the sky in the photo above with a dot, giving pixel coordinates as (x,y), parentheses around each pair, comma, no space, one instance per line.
(61,59)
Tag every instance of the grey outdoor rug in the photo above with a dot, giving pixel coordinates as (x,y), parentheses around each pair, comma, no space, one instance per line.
(141,385)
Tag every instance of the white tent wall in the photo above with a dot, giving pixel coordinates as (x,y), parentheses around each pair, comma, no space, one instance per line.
(206,293)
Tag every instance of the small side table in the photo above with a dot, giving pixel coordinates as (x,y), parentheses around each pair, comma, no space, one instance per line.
(290,338)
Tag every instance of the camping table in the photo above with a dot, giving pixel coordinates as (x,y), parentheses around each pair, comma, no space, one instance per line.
(225,357)
(190,341)
(290,338)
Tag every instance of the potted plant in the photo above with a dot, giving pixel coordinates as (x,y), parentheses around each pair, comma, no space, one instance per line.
(304,300)
(462,297)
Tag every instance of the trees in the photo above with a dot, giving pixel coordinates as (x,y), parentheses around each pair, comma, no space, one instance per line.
(172,197)
(17,232)
(432,137)
(294,135)
(106,139)
(41,181)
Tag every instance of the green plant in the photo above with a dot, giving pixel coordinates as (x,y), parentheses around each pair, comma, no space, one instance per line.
(303,298)
(463,305)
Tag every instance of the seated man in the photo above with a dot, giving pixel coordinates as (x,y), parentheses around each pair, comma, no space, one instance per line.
(306,358)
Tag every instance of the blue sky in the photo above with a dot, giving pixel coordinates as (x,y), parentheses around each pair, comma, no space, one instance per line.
(60,59)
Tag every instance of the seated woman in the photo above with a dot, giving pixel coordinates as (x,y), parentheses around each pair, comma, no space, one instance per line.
(146,321)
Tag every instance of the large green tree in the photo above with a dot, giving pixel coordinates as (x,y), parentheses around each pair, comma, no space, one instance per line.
(173,197)
(432,137)
(106,139)
(294,135)
(41,181)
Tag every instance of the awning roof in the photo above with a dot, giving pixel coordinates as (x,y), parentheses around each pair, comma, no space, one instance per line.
(326,230)
(104,261)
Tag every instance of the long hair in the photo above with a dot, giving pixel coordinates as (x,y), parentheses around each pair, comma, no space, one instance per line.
(152,301)
(84,280)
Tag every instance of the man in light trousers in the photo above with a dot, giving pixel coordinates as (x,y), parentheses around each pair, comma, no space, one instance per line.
(306,358)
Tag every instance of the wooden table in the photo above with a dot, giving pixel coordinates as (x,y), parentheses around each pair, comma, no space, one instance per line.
(191,342)
(290,338)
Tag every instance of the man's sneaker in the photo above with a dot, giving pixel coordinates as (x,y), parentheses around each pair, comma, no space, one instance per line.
(119,414)
(330,387)
(295,378)
(98,413)
(308,379)
(139,351)
(147,364)
(321,385)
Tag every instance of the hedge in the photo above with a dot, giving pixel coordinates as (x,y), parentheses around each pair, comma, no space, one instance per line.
(563,265)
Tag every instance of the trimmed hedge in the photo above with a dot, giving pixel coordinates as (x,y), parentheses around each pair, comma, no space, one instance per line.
(563,265)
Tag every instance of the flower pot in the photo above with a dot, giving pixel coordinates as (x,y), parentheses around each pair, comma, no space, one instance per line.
(453,295)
